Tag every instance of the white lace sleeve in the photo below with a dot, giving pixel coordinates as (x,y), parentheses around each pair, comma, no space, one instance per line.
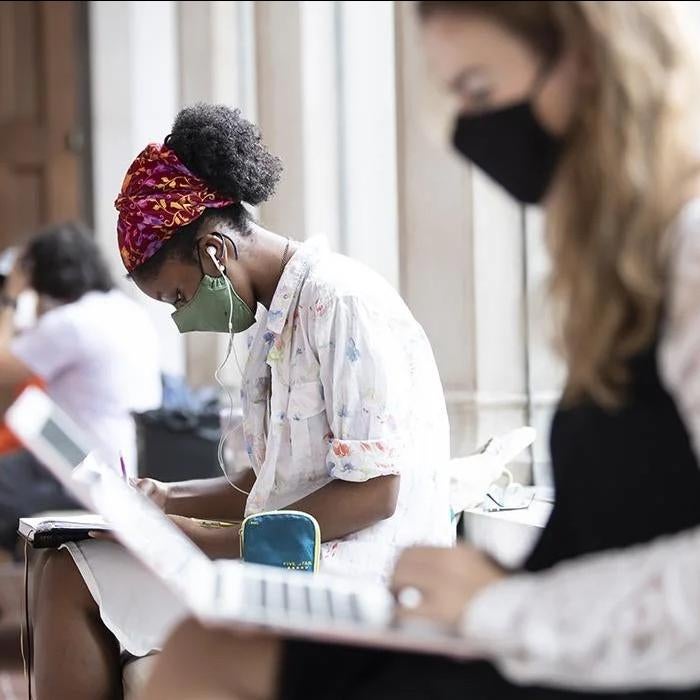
(617,620)
(627,619)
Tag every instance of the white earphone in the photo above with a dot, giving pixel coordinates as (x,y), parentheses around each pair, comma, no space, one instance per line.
(211,251)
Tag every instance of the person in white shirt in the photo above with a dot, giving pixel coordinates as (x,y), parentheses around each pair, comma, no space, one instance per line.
(588,108)
(82,349)
(344,416)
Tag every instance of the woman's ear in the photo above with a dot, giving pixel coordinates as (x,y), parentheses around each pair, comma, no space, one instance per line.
(212,254)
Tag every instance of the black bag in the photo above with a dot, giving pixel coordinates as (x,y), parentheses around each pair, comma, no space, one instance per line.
(174,445)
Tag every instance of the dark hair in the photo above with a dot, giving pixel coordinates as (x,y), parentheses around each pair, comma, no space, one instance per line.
(226,151)
(64,263)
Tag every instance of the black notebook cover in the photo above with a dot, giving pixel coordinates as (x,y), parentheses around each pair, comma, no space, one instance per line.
(54,533)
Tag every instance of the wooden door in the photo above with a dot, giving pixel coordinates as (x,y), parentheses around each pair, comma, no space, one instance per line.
(41,129)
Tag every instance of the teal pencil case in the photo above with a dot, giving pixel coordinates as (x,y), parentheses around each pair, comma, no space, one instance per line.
(288,539)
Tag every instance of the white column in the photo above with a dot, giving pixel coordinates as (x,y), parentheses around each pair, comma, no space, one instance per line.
(217,54)
(320,110)
(216,66)
(134,90)
(499,307)
(326,106)
(280,110)
(546,369)
(435,237)
(368,135)
(297,76)
(462,267)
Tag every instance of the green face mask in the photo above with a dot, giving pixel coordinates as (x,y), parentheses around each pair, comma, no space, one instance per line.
(210,308)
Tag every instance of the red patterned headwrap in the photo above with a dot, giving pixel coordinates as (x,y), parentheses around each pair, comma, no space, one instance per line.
(158,196)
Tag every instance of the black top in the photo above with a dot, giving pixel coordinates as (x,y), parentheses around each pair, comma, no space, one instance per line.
(621,477)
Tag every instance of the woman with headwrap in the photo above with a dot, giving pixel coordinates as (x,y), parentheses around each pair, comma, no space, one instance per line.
(344,415)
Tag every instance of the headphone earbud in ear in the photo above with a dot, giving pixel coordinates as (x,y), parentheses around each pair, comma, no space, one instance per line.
(211,251)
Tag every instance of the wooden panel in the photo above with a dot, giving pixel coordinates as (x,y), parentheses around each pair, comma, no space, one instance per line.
(27,55)
(23,144)
(40,176)
(19,57)
(59,21)
(22,199)
(7,64)
(29,199)
(8,212)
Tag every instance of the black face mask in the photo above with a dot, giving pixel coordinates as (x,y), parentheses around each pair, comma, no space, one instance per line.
(512,147)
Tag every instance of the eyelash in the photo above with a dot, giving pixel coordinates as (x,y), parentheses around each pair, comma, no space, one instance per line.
(476,99)
(481,96)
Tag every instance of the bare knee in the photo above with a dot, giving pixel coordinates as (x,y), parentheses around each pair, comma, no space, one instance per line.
(244,665)
(75,656)
(190,633)
(57,579)
(191,639)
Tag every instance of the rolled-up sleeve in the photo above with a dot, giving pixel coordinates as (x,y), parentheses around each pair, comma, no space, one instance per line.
(359,460)
(364,388)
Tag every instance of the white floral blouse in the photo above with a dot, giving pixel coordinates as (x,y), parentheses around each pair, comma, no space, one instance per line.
(341,383)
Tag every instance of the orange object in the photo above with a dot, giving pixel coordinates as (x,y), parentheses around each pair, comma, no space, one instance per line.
(8,442)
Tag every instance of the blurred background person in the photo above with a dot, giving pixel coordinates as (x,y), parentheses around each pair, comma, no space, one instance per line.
(8,442)
(92,348)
